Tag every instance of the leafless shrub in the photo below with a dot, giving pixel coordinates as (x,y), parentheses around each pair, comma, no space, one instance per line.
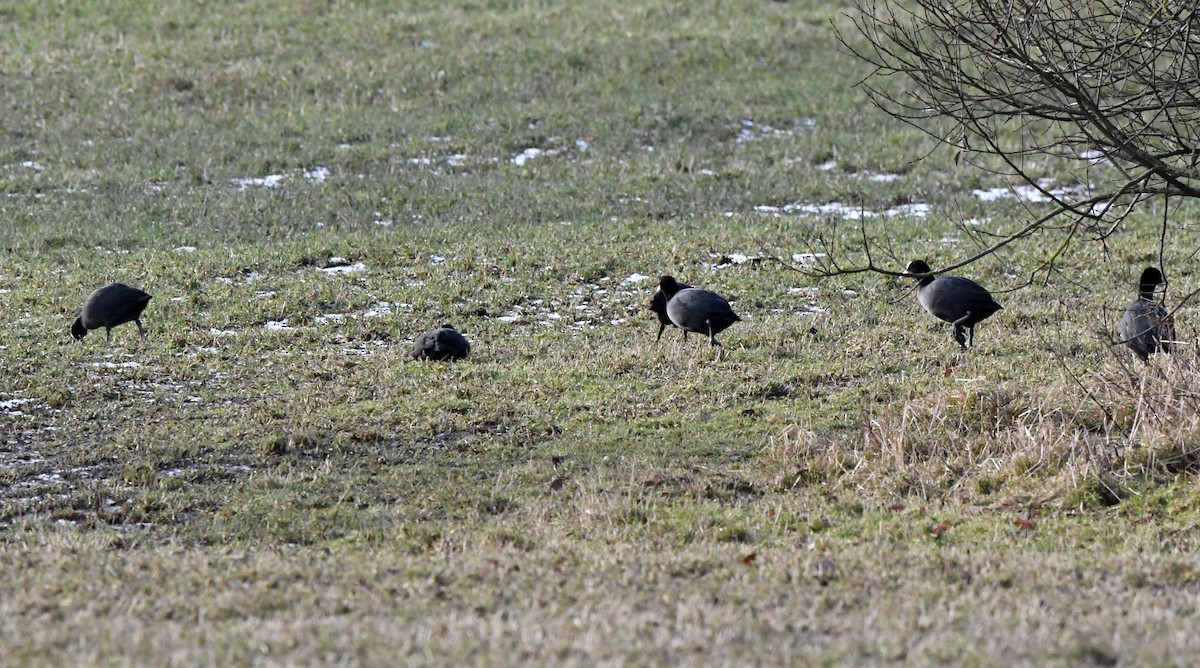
(1106,92)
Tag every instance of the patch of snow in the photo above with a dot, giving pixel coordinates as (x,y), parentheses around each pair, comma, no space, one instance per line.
(185,249)
(525,156)
(434,258)
(380,308)
(751,131)
(334,317)
(32,164)
(277,325)
(848,212)
(344,269)
(732,259)
(317,174)
(1028,193)
(508,318)
(269,181)
(581,144)
(635,278)
(806,258)
(827,166)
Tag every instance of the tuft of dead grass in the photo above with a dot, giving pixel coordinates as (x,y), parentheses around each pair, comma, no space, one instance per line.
(1101,435)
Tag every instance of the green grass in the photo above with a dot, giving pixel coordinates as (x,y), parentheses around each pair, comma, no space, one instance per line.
(843,486)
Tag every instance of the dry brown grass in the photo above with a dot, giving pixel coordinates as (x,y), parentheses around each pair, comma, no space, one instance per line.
(1107,431)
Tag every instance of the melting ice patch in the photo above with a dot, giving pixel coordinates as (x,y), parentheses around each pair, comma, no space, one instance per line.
(723,260)
(805,259)
(847,211)
(317,174)
(10,405)
(329,317)
(881,177)
(340,265)
(750,131)
(270,181)
(380,308)
(1028,193)
(525,156)
(374,311)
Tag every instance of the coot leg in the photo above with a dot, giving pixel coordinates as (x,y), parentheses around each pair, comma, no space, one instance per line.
(960,336)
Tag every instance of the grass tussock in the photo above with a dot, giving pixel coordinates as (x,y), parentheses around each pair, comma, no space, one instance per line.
(1098,436)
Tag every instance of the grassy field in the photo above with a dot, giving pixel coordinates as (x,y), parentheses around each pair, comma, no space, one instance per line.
(268,477)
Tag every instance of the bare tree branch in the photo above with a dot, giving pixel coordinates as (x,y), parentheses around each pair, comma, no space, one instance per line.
(1108,90)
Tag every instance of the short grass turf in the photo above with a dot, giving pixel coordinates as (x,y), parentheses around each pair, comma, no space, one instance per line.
(269,478)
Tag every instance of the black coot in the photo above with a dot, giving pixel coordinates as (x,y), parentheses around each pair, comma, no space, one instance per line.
(959,301)
(443,343)
(109,306)
(658,304)
(1146,327)
(696,310)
